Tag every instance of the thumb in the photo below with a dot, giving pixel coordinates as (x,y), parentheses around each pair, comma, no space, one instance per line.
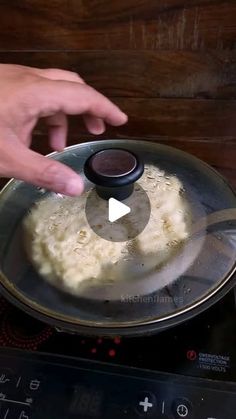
(33,168)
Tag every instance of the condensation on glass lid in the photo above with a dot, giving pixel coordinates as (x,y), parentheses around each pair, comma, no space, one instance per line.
(67,253)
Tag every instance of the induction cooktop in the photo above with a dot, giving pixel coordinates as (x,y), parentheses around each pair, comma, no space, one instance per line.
(188,371)
(204,346)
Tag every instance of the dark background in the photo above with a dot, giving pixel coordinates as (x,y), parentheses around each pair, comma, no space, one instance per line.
(170,64)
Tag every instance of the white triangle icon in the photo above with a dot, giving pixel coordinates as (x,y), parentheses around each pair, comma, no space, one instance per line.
(116,210)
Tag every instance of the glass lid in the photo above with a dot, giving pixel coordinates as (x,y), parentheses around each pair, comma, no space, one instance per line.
(152,237)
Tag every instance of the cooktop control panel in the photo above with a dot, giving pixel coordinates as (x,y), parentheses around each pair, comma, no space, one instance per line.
(40,386)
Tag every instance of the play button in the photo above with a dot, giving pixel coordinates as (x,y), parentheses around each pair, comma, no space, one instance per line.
(116,210)
(118,221)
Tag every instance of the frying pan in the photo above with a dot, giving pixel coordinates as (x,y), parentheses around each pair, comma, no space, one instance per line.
(200,274)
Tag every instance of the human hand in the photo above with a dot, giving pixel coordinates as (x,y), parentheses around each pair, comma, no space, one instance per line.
(28,94)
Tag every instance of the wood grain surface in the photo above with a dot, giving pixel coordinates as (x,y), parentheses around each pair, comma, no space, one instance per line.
(165,74)
(151,118)
(105,24)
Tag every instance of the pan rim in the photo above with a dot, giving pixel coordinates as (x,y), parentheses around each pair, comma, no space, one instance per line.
(70,322)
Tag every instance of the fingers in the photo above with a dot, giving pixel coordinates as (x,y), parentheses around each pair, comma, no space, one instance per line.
(33,168)
(76,98)
(94,125)
(58,128)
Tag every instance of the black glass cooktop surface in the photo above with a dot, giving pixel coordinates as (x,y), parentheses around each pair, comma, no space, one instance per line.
(204,346)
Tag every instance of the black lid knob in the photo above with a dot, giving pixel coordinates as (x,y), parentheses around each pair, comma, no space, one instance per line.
(114,172)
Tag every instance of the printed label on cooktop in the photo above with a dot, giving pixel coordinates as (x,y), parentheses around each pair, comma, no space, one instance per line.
(209,362)
(214,362)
